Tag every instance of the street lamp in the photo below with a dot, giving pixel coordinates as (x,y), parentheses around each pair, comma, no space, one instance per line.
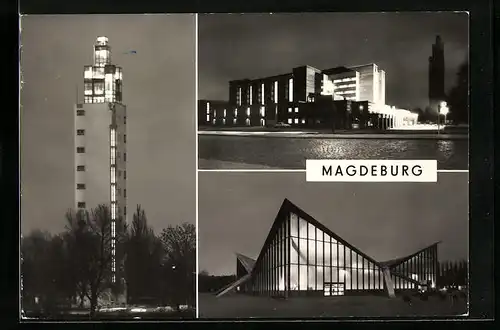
(444,112)
(442,109)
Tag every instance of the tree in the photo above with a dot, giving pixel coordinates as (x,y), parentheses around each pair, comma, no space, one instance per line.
(179,244)
(458,96)
(75,238)
(34,249)
(90,241)
(43,268)
(144,254)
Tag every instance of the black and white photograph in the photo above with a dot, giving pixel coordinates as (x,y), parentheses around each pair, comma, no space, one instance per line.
(277,89)
(272,245)
(108,167)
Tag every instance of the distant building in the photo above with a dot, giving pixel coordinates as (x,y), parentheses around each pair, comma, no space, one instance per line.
(436,75)
(100,137)
(336,98)
(302,257)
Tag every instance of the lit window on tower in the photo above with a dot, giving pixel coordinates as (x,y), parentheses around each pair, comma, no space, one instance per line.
(262,98)
(238,96)
(103,81)
(275,91)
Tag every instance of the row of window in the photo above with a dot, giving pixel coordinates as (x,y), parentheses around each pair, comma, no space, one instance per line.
(262,113)
(81,112)
(81,150)
(82,132)
(81,186)
(261,93)
(262,121)
(82,205)
(81,168)
(296,121)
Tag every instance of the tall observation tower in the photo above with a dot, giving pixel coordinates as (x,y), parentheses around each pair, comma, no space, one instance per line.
(100,141)
(436,74)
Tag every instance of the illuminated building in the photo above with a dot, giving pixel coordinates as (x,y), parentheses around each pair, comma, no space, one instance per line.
(436,75)
(338,98)
(100,140)
(303,257)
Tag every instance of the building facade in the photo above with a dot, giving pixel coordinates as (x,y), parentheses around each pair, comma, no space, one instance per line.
(436,75)
(337,98)
(302,257)
(100,130)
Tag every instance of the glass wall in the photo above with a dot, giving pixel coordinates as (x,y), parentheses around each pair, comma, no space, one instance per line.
(301,257)
(422,268)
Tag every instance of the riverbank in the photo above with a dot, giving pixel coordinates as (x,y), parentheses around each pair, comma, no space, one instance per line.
(214,164)
(390,135)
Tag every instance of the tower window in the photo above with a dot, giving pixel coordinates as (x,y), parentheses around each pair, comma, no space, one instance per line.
(124,174)
(80,150)
(125,193)
(124,156)
(80,186)
(80,168)
(124,138)
(80,132)
(124,119)
(124,210)
(80,112)
(81,205)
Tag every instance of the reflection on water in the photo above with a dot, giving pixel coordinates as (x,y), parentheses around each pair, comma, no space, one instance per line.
(291,153)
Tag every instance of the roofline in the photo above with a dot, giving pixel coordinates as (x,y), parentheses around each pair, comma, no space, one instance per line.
(248,80)
(288,206)
(301,213)
(213,101)
(408,257)
(360,65)
(270,235)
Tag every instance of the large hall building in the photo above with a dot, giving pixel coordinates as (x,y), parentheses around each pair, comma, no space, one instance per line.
(303,257)
(337,98)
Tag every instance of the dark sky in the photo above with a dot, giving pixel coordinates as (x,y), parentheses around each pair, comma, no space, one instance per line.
(159,92)
(384,220)
(234,46)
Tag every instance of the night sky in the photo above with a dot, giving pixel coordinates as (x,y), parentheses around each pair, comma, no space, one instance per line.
(159,92)
(384,220)
(234,46)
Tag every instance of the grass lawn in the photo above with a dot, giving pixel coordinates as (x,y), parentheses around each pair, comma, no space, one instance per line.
(244,306)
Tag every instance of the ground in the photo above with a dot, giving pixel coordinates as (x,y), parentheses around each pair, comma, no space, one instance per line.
(244,306)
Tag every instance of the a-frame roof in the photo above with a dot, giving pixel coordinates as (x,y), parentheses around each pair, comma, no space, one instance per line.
(399,261)
(288,207)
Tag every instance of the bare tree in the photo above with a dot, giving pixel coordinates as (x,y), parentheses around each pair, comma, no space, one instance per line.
(91,241)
